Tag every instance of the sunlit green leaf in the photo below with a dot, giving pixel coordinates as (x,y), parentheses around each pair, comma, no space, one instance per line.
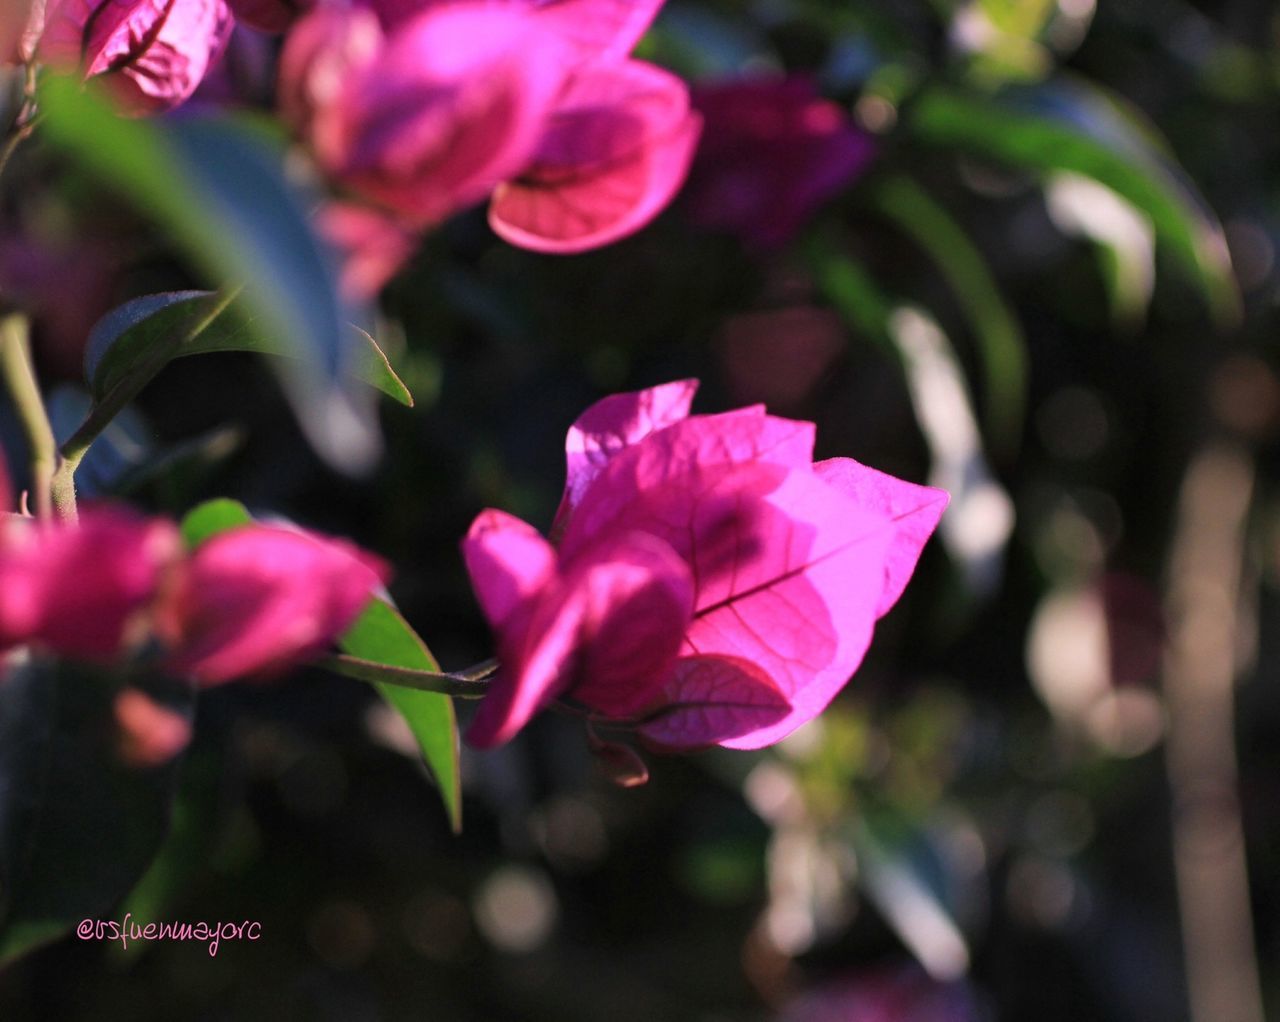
(381,634)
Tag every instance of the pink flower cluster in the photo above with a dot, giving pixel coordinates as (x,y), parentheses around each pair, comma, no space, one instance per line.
(711,583)
(420,108)
(423,109)
(251,601)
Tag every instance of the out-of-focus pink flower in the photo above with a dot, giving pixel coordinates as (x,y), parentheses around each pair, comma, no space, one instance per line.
(150,734)
(614,152)
(372,245)
(270,15)
(259,599)
(429,120)
(712,585)
(427,108)
(773,151)
(153,53)
(20,25)
(80,589)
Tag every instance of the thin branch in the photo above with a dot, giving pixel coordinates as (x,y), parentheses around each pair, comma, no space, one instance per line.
(20,377)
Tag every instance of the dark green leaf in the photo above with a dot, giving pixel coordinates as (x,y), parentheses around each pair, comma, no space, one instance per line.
(78,826)
(381,634)
(217,186)
(134,331)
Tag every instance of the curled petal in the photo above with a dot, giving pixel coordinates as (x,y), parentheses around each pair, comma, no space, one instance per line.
(155,51)
(615,152)
(711,699)
(605,633)
(508,562)
(260,599)
(612,425)
(78,589)
(913,509)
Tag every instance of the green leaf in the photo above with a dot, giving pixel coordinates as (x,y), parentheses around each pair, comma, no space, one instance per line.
(1000,340)
(1065,126)
(217,186)
(381,634)
(132,333)
(78,827)
(212,517)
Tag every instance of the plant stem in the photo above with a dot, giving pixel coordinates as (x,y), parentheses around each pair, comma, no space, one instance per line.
(114,401)
(25,122)
(19,374)
(466,684)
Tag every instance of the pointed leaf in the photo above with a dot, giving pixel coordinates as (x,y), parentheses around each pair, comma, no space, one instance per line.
(217,187)
(139,329)
(381,634)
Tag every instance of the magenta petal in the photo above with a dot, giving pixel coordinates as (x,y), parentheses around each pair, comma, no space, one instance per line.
(155,51)
(260,599)
(75,589)
(607,29)
(798,575)
(640,596)
(678,454)
(455,103)
(605,633)
(914,510)
(711,699)
(508,562)
(612,425)
(616,151)
(321,55)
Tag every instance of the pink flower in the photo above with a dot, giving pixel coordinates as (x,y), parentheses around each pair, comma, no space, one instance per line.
(82,589)
(259,599)
(150,734)
(371,245)
(429,108)
(613,154)
(711,584)
(153,53)
(429,119)
(772,153)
